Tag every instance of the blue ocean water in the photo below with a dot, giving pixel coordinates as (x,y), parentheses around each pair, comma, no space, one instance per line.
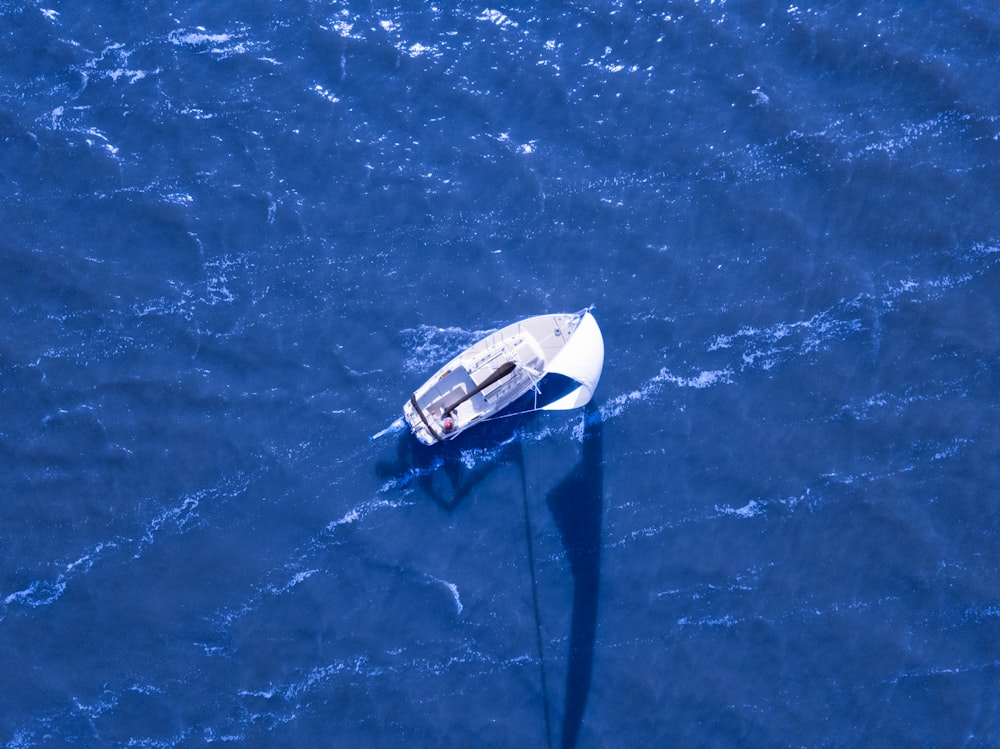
(237,235)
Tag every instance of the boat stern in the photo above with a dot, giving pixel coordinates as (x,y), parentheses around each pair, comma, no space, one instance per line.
(420,423)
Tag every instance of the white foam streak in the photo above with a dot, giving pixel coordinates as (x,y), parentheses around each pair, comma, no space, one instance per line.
(703,379)
(298,564)
(964,668)
(361,511)
(220,45)
(180,517)
(45,592)
(296,579)
(722,621)
(496,17)
(198,38)
(452,588)
(363,666)
(750,509)
(764,347)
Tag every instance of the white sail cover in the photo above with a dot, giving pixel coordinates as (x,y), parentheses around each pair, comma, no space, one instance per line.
(582,360)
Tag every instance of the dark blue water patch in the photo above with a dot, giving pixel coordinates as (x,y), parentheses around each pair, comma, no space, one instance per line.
(237,243)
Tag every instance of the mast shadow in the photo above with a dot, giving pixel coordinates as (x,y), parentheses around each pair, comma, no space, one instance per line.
(443,473)
(576,504)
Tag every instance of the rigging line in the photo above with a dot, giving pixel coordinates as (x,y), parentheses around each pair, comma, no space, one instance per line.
(534,599)
(516,413)
(533,373)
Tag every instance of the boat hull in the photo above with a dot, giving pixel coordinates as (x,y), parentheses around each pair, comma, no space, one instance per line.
(488,376)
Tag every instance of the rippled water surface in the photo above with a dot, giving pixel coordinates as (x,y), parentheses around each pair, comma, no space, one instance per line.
(238,236)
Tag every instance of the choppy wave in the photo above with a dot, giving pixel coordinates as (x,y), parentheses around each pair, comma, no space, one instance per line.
(233,244)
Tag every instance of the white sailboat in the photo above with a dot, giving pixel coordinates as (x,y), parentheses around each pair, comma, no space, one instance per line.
(487,377)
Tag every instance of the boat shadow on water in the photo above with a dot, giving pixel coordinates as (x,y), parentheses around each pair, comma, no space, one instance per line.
(576,503)
(444,472)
